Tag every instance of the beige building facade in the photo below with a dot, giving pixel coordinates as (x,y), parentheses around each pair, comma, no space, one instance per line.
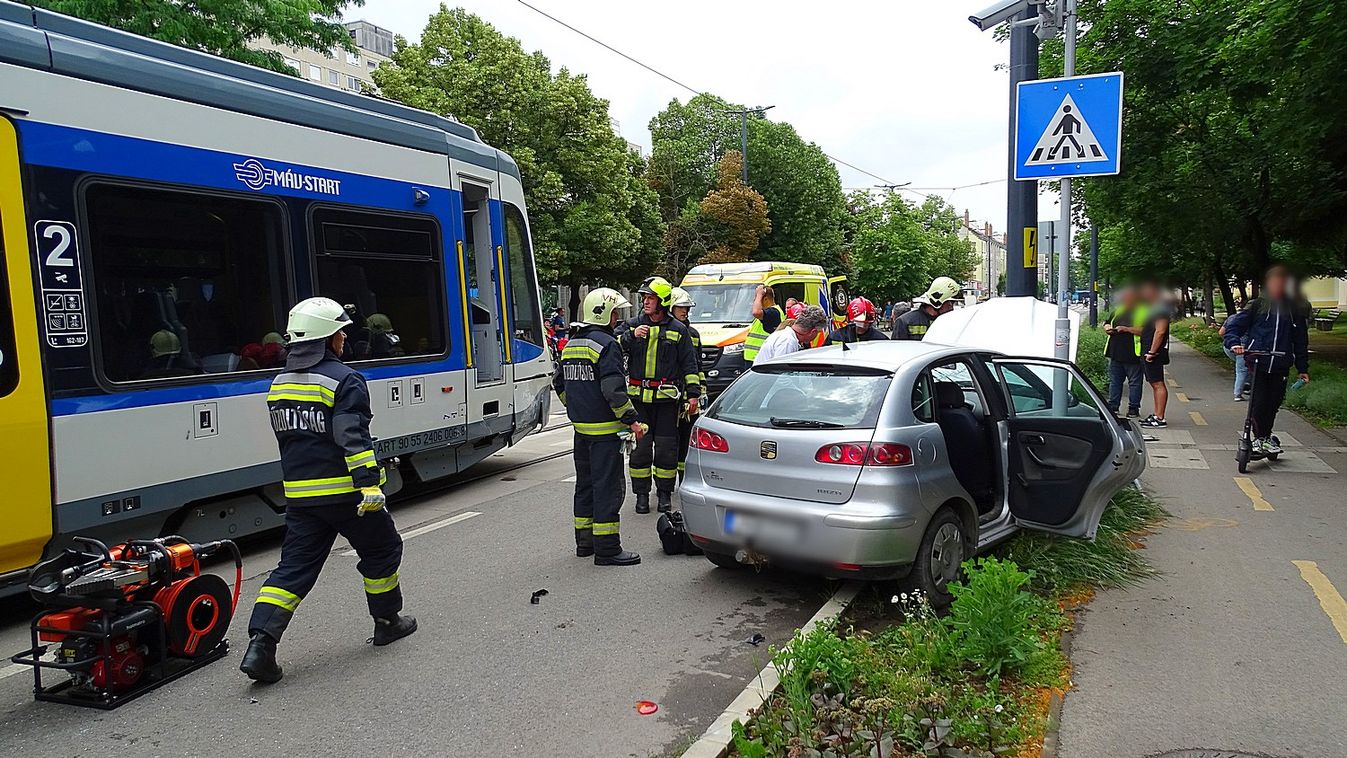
(337,68)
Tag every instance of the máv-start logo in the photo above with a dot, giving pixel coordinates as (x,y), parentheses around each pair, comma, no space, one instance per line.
(257,176)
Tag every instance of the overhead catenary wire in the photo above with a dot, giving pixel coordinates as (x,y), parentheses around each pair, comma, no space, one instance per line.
(672,80)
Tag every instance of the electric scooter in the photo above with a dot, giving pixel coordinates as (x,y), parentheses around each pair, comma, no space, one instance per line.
(1246,453)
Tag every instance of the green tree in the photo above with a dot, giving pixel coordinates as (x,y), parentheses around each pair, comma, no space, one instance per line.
(897,248)
(800,184)
(223,27)
(1235,152)
(594,218)
(735,213)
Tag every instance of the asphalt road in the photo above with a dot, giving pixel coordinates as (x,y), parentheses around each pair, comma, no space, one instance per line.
(487,674)
(1241,645)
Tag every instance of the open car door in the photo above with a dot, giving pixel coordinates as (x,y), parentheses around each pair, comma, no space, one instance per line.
(1065,459)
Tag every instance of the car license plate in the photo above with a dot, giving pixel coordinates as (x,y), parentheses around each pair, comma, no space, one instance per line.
(755,526)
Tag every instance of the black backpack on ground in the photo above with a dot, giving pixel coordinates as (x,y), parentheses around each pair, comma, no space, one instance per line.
(673,535)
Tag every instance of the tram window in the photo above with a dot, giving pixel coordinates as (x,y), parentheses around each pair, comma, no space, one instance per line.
(9,359)
(187,283)
(523,281)
(387,271)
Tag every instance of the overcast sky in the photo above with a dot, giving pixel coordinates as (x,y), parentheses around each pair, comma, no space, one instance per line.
(905,89)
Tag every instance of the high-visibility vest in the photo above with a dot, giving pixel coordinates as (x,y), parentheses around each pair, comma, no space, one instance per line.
(757,334)
(1139,314)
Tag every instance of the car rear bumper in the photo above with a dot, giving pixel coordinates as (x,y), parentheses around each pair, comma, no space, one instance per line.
(844,540)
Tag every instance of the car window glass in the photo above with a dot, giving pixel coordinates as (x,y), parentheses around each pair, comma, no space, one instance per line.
(845,398)
(1031,389)
(923,399)
(786,290)
(961,374)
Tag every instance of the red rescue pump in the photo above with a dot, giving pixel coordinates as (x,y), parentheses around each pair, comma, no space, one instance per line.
(121,621)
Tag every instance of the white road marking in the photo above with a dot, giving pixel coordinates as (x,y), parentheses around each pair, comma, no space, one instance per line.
(420,530)
(1176,457)
(563,443)
(14,668)
(569,479)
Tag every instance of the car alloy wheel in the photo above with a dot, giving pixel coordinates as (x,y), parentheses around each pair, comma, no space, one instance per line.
(947,556)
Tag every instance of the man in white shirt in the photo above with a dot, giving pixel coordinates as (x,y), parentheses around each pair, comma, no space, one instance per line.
(795,336)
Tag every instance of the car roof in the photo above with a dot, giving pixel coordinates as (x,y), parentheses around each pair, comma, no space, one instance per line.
(890,355)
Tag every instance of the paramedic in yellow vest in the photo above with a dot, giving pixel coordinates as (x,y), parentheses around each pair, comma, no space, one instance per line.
(767,318)
(1124,325)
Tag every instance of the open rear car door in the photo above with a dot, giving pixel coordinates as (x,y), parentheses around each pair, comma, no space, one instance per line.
(1066,456)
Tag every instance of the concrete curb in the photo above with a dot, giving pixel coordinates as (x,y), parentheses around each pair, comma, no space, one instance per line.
(715,741)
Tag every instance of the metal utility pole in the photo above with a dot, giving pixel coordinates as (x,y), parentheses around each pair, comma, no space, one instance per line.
(743,132)
(1062,330)
(1094,275)
(1021,197)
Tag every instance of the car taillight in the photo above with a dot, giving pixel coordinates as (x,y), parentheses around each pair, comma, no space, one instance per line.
(865,453)
(709,441)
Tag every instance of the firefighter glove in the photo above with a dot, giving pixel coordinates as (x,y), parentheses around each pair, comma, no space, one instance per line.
(373,500)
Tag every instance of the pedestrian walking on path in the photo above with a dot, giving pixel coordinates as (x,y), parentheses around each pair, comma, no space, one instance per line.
(1241,366)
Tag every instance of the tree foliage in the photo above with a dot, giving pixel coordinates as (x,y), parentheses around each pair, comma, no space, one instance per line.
(735,214)
(1235,149)
(223,27)
(896,248)
(593,217)
(805,204)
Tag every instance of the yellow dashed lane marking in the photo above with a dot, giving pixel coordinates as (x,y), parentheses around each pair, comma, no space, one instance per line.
(1260,503)
(1197,418)
(1173,383)
(1329,599)
(1182,397)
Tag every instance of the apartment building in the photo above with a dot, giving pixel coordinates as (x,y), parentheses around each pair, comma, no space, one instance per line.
(990,249)
(338,68)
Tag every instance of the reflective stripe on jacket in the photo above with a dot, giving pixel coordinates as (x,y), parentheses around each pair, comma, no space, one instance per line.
(321,416)
(591,384)
(757,334)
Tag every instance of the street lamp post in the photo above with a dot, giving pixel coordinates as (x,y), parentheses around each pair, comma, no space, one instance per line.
(743,132)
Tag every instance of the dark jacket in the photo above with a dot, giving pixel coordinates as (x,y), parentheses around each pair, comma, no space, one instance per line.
(913,324)
(848,334)
(1279,326)
(591,383)
(664,358)
(320,412)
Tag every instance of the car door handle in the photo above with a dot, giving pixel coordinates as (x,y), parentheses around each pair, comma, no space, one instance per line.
(1039,461)
(1034,439)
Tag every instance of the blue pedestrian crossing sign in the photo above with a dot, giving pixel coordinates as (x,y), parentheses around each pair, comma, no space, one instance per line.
(1069,127)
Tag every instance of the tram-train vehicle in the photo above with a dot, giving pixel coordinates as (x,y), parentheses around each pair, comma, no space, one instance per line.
(160,212)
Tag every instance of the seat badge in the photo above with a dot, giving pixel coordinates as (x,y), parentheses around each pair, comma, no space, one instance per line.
(768,450)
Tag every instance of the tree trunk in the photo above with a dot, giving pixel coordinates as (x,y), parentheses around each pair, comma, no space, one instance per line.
(1227,297)
(573,312)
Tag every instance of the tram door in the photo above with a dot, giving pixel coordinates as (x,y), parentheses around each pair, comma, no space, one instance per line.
(488,354)
(24,443)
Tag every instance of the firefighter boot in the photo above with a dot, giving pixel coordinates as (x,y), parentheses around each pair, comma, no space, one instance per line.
(624,558)
(584,548)
(393,628)
(643,502)
(259,660)
(665,502)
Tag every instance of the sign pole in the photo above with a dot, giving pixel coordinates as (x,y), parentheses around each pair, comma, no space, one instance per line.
(1021,196)
(1062,336)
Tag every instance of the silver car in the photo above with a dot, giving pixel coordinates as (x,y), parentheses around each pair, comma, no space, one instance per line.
(899,460)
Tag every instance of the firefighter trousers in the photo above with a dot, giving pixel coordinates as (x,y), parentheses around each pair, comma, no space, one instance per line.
(310,531)
(598,492)
(657,452)
(684,443)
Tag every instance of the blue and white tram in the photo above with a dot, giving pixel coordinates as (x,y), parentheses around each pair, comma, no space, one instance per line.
(161,210)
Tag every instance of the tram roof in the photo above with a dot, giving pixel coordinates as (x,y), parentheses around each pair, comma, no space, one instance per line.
(40,39)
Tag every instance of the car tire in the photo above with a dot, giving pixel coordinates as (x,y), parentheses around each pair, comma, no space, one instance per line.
(939,560)
(722,560)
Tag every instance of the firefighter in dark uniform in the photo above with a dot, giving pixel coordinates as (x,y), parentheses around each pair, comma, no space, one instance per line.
(593,387)
(662,371)
(861,314)
(681,310)
(939,299)
(320,412)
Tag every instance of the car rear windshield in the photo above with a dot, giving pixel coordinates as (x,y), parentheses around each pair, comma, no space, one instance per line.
(802,396)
